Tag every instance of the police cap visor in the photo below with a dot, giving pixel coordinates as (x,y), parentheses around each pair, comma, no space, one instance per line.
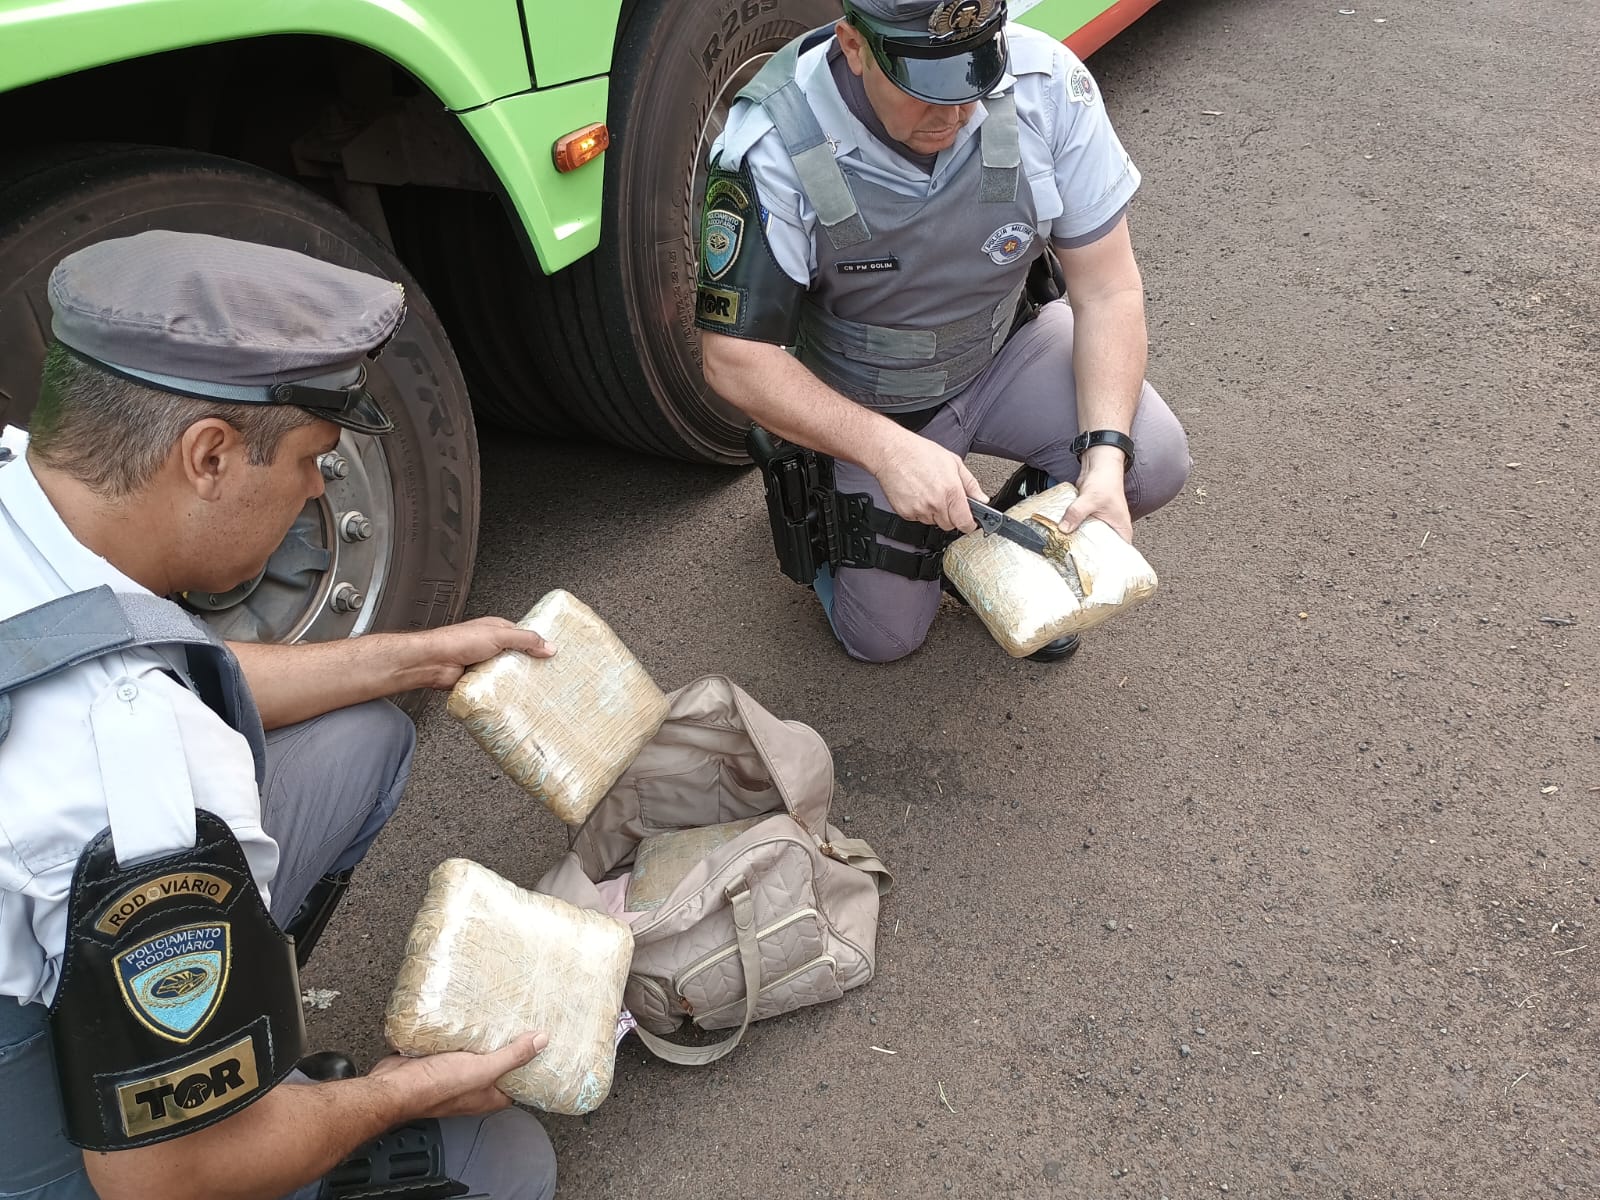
(938,72)
(351,407)
(959,79)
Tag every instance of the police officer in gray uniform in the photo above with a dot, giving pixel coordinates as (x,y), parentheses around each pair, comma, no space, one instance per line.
(178,816)
(899,198)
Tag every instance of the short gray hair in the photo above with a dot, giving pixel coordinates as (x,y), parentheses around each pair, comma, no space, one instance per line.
(112,434)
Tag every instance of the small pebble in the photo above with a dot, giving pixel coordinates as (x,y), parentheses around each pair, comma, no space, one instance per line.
(1184,1051)
(1111,925)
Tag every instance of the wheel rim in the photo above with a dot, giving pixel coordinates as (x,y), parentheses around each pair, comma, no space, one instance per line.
(323,581)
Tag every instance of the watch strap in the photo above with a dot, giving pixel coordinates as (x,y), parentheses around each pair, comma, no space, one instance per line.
(1103,437)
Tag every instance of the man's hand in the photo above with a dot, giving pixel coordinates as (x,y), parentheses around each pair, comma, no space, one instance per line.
(449,650)
(458,1083)
(1101,493)
(299,1131)
(925,482)
(298,682)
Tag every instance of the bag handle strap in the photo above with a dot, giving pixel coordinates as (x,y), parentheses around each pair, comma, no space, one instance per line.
(853,852)
(744,929)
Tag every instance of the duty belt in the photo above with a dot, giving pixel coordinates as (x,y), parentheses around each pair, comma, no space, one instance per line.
(815,526)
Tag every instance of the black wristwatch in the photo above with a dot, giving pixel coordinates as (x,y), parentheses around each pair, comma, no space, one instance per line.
(1103,437)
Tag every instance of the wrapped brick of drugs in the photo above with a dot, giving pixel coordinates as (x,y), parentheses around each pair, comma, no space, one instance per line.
(487,961)
(564,727)
(1027,600)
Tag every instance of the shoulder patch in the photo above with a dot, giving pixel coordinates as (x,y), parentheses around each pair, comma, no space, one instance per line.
(1080,86)
(719,244)
(741,291)
(172,982)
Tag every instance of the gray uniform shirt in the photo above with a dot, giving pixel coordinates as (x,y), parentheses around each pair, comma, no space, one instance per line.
(1074,163)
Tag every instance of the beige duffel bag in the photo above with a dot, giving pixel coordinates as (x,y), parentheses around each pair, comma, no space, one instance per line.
(744,902)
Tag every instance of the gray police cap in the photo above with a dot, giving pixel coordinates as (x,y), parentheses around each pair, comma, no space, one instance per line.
(228,320)
(950,52)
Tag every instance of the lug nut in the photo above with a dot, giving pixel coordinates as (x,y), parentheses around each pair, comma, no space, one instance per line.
(345,598)
(334,465)
(355,526)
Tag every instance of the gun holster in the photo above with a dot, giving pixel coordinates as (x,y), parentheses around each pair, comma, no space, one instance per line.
(404,1164)
(814,526)
(1046,282)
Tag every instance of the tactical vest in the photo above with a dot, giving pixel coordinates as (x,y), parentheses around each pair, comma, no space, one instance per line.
(940,277)
(179,1002)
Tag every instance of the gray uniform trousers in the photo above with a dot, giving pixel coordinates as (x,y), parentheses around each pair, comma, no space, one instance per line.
(331,784)
(1023,407)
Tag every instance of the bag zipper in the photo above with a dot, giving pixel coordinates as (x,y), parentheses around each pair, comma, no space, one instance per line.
(776,983)
(732,948)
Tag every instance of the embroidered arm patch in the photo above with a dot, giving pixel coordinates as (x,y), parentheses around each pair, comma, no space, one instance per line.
(742,292)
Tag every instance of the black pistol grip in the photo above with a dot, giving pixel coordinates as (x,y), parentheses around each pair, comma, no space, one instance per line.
(763,448)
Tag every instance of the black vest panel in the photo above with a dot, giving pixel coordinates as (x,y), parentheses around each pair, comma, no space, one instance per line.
(179,1003)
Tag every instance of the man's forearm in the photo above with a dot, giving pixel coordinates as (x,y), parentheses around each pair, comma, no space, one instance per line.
(777,392)
(1109,351)
(296,683)
(294,1134)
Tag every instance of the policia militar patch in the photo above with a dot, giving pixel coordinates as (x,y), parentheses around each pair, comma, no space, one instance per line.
(742,291)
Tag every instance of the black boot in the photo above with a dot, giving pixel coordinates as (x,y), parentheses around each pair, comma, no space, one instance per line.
(327,1065)
(1056,651)
(314,913)
(1025,481)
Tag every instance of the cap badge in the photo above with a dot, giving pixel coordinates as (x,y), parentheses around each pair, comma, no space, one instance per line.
(957,18)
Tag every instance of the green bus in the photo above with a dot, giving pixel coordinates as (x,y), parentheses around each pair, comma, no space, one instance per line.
(549,292)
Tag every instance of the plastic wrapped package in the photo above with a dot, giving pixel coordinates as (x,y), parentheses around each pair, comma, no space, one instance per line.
(564,727)
(487,961)
(1027,600)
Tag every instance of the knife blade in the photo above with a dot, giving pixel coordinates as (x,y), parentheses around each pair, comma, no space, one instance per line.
(992,520)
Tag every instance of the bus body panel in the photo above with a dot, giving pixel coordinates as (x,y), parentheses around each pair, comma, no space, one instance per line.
(466,54)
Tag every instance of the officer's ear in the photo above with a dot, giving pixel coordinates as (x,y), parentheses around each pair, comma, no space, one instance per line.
(853,45)
(209,454)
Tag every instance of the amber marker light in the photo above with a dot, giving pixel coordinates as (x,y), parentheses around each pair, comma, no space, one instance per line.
(581,146)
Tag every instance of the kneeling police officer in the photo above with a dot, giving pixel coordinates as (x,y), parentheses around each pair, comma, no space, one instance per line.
(177,816)
(903,197)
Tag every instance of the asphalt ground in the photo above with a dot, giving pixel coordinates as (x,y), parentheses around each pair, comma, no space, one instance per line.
(1285,886)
